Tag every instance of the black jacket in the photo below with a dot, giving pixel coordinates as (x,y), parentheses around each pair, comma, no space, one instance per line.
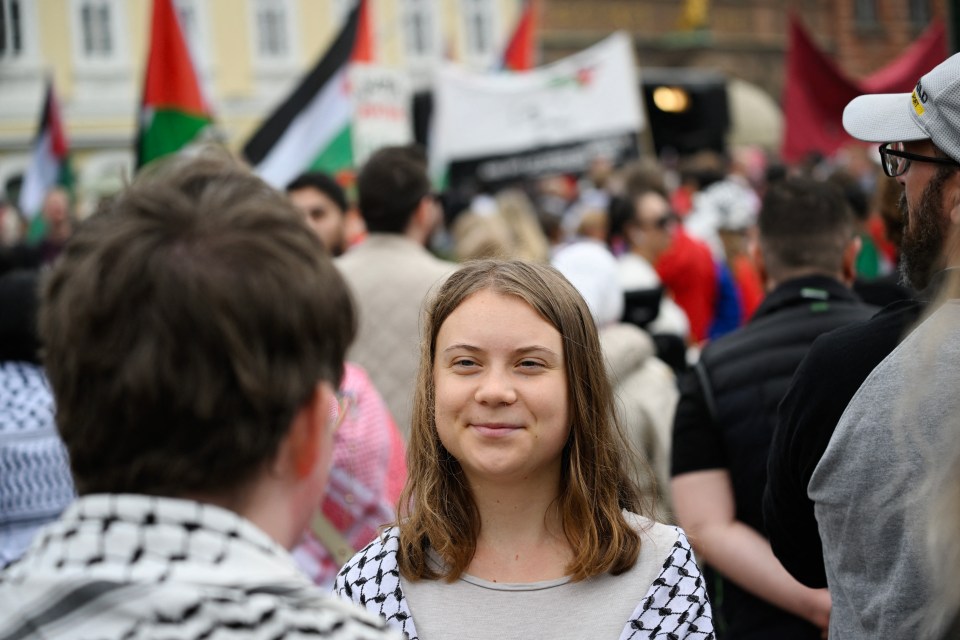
(826,381)
(728,411)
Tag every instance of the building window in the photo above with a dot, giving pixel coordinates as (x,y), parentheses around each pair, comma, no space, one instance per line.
(919,13)
(96,27)
(11,29)
(479,31)
(98,32)
(865,13)
(272,21)
(418,18)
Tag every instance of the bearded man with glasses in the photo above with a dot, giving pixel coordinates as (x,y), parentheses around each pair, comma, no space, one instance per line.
(864,418)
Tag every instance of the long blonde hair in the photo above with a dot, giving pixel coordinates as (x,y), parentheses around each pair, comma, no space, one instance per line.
(437,508)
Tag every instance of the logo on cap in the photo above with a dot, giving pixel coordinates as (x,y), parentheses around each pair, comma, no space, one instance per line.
(919,98)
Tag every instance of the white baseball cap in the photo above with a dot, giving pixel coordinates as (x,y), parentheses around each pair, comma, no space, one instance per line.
(931,111)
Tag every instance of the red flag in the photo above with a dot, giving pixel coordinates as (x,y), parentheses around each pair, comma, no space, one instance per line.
(901,75)
(520,54)
(817,91)
(363,46)
(171,80)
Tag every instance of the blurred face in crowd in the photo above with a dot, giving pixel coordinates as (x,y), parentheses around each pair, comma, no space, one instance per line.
(323,215)
(501,389)
(930,191)
(652,225)
(56,207)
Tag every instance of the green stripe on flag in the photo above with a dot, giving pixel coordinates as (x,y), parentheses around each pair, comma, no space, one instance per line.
(169,131)
(336,156)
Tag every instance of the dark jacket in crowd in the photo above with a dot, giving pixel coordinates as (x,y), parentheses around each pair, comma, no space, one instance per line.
(826,381)
(728,411)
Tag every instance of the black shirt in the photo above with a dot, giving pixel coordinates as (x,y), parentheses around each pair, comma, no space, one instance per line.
(727,413)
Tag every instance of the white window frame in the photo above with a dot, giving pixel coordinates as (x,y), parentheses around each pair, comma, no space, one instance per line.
(117,59)
(287,61)
(486,10)
(427,12)
(198,38)
(29,54)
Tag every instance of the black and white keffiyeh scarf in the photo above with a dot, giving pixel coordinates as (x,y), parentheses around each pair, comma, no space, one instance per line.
(129,566)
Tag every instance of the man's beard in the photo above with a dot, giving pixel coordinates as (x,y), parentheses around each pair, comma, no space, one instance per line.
(923,241)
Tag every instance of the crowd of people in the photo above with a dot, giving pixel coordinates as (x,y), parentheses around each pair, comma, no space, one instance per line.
(715,399)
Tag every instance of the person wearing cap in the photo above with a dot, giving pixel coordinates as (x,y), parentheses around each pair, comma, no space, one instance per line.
(858,429)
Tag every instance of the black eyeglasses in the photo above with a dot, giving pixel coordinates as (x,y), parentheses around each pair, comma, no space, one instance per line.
(661,223)
(896,161)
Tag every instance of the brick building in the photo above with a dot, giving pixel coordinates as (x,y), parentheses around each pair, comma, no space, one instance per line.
(744,39)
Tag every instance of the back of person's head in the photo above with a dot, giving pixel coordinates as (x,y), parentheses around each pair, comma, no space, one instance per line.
(704,168)
(642,176)
(19,298)
(322,183)
(390,187)
(805,226)
(437,506)
(592,269)
(477,237)
(516,209)
(184,328)
(854,194)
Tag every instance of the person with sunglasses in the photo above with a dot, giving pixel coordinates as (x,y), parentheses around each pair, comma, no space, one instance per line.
(843,505)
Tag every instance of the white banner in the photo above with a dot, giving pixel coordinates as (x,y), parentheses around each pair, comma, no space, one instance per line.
(382,99)
(588,95)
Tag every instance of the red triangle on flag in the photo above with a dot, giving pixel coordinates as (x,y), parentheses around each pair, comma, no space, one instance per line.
(171,80)
(520,54)
(363,45)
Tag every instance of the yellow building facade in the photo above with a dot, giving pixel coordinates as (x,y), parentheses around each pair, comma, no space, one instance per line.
(249,53)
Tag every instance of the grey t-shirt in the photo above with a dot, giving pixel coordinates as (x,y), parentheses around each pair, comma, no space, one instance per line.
(870,499)
(472,608)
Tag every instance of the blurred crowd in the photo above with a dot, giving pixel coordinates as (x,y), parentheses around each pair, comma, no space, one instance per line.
(778,345)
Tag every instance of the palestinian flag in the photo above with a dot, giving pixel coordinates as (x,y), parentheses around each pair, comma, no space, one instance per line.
(49,165)
(174,109)
(310,130)
(521,51)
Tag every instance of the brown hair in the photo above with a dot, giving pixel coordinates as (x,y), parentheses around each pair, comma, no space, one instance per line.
(437,508)
(183,328)
(804,224)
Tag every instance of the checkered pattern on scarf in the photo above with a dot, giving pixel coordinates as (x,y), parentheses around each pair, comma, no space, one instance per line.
(674,608)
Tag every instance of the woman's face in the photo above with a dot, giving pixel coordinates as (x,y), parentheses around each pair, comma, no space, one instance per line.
(501,389)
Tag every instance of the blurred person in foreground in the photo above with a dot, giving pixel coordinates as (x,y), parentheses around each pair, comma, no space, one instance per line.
(841,506)
(728,410)
(391,271)
(520,518)
(368,468)
(194,335)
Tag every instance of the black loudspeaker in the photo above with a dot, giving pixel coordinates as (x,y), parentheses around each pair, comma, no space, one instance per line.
(687,109)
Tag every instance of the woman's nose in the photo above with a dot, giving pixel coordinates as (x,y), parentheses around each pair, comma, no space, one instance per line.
(496,387)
